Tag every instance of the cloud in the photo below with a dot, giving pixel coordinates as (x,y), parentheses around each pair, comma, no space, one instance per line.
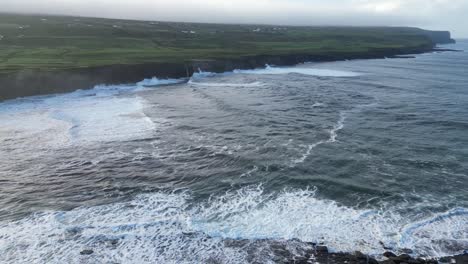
(432,14)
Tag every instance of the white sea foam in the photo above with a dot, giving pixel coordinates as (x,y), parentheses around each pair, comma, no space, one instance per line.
(220,84)
(300,70)
(203,74)
(171,228)
(333,134)
(249,172)
(60,122)
(98,114)
(109,119)
(337,127)
(317,104)
(155,82)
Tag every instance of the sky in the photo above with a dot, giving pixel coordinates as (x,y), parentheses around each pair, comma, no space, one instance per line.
(429,14)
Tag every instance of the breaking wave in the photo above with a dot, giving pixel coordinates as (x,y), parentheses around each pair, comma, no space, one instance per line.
(155,82)
(280,70)
(171,227)
(300,70)
(94,115)
(215,84)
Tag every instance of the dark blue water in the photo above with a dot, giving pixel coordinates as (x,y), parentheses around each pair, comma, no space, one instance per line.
(352,154)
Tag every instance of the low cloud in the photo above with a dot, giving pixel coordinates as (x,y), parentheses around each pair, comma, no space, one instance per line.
(431,14)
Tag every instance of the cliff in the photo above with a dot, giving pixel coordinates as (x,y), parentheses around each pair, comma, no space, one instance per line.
(440,37)
(62,54)
(40,82)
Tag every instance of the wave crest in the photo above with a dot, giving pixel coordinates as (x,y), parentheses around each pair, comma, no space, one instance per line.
(155,227)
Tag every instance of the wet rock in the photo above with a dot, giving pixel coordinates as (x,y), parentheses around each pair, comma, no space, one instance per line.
(459,259)
(362,258)
(360,255)
(300,260)
(321,249)
(388,261)
(311,244)
(462,259)
(404,258)
(87,252)
(389,254)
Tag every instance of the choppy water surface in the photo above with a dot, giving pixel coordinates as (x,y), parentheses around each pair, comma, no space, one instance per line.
(352,154)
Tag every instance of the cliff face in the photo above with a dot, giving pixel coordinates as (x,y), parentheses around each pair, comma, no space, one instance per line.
(440,37)
(40,82)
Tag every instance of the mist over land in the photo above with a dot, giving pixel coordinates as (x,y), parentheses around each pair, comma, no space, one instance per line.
(430,14)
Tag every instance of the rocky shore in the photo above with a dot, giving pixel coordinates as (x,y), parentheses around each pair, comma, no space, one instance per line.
(297,252)
(322,255)
(40,82)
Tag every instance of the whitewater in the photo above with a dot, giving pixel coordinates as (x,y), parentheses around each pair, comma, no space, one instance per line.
(225,168)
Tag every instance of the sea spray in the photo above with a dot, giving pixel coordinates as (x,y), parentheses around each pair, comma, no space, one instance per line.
(156,226)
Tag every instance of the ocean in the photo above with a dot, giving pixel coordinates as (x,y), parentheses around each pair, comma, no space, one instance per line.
(355,155)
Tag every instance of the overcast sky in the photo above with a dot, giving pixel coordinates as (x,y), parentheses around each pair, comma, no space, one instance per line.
(430,14)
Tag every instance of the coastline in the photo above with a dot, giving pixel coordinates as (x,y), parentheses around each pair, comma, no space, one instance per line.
(25,83)
(318,253)
(308,252)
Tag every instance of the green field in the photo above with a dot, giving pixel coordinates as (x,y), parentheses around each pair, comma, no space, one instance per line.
(54,42)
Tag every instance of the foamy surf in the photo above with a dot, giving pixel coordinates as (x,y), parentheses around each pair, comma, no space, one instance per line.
(300,70)
(100,114)
(222,84)
(156,82)
(333,134)
(170,227)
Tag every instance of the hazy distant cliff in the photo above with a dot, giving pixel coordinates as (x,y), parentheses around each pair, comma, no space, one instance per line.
(440,37)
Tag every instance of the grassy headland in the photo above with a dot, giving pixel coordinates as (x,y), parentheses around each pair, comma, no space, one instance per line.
(55,43)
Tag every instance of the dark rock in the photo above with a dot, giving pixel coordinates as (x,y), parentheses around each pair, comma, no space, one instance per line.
(459,259)
(321,249)
(362,258)
(389,254)
(311,244)
(388,261)
(400,259)
(462,259)
(404,257)
(87,252)
(360,255)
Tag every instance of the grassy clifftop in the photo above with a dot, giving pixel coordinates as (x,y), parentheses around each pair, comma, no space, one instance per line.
(56,43)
